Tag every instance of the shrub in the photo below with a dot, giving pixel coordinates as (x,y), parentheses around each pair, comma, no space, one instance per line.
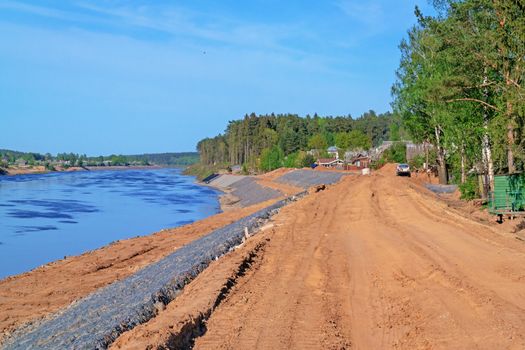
(307,161)
(417,162)
(291,160)
(271,158)
(244,169)
(397,153)
(469,190)
(378,164)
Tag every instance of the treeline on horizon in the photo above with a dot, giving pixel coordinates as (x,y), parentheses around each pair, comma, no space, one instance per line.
(460,87)
(265,142)
(9,157)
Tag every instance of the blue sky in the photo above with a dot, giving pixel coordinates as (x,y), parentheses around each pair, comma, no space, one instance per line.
(114,76)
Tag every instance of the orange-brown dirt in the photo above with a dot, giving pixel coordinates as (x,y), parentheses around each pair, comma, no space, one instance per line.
(40,169)
(23,170)
(274,174)
(374,262)
(35,294)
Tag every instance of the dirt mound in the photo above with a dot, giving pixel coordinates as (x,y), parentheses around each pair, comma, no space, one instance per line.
(274,174)
(387,169)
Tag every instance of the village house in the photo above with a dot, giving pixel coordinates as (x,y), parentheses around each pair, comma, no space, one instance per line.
(352,160)
(333,152)
(20,162)
(361,162)
(330,162)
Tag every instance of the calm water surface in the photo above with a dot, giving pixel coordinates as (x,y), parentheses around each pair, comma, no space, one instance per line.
(46,217)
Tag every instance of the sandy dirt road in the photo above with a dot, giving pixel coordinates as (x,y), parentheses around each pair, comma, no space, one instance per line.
(373,262)
(376,263)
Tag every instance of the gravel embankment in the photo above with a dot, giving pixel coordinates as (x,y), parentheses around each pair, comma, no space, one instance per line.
(96,320)
(225,180)
(245,188)
(442,188)
(250,192)
(308,178)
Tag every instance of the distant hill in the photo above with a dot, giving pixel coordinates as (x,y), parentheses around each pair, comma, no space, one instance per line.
(175,159)
(32,158)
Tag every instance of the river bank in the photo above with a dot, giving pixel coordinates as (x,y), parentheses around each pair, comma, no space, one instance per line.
(44,290)
(40,169)
(302,265)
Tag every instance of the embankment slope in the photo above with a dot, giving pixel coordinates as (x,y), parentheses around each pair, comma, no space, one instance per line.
(40,292)
(373,262)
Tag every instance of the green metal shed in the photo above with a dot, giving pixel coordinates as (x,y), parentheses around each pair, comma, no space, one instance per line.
(508,195)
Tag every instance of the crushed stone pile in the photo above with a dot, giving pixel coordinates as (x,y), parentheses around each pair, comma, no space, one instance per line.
(308,178)
(250,192)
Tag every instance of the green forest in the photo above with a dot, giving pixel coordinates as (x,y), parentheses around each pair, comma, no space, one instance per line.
(266,142)
(9,157)
(460,87)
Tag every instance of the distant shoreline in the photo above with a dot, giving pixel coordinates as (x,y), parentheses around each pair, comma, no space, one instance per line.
(14,171)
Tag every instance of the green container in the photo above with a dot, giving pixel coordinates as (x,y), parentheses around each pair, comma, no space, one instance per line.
(508,195)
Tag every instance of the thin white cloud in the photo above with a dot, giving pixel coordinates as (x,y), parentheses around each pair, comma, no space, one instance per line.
(205,31)
(179,22)
(371,14)
(47,12)
(37,10)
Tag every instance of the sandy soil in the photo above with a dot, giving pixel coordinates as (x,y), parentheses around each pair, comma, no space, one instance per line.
(35,294)
(374,262)
(274,174)
(14,170)
(40,169)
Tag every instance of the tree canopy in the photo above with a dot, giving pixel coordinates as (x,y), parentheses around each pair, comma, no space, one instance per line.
(460,86)
(245,141)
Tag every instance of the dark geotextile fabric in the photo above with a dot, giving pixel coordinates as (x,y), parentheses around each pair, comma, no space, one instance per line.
(308,178)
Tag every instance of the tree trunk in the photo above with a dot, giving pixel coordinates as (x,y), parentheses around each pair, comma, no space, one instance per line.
(426,155)
(487,163)
(486,150)
(442,166)
(463,172)
(510,139)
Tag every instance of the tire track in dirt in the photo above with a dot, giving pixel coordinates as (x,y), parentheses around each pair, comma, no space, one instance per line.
(374,264)
(292,307)
(441,247)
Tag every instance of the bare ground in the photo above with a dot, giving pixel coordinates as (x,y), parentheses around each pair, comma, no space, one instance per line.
(371,263)
(374,262)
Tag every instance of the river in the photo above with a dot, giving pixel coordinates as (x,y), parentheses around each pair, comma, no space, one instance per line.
(46,217)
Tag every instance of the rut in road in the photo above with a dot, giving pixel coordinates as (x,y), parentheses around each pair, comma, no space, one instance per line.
(376,263)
